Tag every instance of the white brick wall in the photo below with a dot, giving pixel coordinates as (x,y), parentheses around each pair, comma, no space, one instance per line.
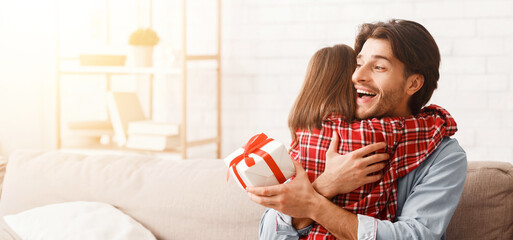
(267,45)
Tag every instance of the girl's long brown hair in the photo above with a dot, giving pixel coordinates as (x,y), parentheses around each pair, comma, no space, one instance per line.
(327,89)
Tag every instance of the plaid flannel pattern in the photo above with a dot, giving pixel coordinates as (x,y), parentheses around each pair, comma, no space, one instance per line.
(409,141)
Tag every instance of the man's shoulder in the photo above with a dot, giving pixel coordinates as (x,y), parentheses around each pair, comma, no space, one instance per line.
(448,155)
(447,162)
(449,147)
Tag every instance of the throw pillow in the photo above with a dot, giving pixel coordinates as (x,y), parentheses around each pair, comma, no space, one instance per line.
(77,220)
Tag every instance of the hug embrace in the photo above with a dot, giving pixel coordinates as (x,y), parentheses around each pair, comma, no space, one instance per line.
(372,161)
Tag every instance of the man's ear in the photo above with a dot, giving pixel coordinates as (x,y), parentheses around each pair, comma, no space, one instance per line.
(414,83)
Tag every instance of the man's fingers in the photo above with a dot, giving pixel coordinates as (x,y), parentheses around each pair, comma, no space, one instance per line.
(297,166)
(300,171)
(372,178)
(369,149)
(333,148)
(265,201)
(276,189)
(375,167)
(264,191)
(375,158)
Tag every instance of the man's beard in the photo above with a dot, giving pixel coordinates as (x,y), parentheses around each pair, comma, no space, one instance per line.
(386,105)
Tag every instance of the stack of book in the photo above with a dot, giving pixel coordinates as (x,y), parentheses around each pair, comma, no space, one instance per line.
(154,136)
(133,130)
(86,133)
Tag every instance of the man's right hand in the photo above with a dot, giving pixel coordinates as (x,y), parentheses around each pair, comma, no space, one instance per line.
(345,173)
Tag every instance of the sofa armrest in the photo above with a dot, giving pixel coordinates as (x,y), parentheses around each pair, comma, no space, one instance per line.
(485,210)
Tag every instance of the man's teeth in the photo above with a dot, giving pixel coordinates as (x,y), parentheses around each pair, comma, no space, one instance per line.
(361,92)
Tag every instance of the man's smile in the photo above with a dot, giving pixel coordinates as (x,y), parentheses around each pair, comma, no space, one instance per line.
(364,95)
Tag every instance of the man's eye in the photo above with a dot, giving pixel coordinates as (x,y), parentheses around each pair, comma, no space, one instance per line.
(379,67)
(358,65)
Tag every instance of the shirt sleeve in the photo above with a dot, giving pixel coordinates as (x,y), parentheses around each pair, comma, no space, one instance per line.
(432,196)
(278,226)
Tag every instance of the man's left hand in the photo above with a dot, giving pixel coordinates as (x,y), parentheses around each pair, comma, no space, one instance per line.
(296,198)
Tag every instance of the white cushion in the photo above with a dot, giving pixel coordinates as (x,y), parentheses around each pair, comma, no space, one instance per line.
(77,220)
(172,199)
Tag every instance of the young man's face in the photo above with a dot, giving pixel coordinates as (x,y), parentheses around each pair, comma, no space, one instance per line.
(379,81)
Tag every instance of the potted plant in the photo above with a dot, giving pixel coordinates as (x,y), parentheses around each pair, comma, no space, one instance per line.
(143,40)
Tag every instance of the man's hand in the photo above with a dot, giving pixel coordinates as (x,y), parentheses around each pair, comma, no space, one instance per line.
(296,198)
(345,173)
(299,200)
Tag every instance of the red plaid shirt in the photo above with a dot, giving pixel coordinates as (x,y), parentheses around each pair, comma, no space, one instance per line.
(409,141)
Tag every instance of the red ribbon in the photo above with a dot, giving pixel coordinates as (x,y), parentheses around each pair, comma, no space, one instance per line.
(253,146)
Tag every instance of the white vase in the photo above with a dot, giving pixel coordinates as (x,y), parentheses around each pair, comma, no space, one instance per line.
(143,56)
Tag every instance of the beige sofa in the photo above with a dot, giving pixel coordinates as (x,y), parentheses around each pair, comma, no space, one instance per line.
(191,199)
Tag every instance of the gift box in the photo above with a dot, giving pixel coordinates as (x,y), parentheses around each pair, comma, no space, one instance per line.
(262,161)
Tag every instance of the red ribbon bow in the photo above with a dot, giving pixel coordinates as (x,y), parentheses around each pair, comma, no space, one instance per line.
(253,146)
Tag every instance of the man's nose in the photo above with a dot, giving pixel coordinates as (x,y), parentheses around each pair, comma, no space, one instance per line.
(360,75)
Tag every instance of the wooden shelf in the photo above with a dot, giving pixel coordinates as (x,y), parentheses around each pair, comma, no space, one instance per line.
(118,70)
(86,132)
(70,65)
(201,57)
(202,142)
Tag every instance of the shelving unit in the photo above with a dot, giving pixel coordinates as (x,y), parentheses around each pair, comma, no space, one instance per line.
(182,71)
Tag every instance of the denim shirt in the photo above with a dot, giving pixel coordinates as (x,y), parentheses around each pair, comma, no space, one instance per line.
(426,200)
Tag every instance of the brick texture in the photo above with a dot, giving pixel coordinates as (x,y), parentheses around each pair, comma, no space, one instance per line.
(267,45)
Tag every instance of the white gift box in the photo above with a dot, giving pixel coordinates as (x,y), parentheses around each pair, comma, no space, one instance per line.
(260,174)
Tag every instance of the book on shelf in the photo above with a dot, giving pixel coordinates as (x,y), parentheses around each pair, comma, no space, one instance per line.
(149,127)
(93,125)
(153,142)
(124,107)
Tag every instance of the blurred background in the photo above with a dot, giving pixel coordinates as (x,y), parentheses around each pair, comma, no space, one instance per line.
(265,47)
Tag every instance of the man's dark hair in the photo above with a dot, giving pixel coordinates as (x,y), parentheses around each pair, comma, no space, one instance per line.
(414,46)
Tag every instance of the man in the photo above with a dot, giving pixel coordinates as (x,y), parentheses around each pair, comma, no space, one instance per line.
(396,74)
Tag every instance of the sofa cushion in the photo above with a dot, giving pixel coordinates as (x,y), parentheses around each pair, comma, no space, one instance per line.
(181,199)
(78,221)
(485,210)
